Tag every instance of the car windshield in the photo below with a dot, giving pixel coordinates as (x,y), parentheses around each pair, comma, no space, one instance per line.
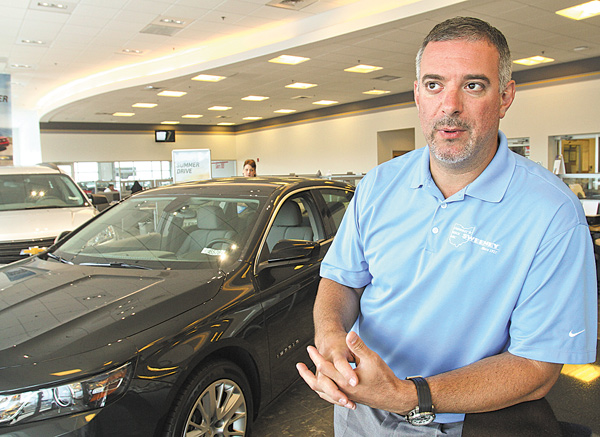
(32,191)
(164,232)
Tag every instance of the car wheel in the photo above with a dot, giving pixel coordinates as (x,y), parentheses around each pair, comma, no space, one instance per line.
(216,402)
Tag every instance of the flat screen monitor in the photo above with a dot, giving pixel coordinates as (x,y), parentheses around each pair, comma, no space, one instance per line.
(164,136)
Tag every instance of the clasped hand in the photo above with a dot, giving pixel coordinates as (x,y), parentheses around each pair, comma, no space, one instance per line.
(371,382)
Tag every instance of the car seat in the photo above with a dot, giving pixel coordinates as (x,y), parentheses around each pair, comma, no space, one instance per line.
(288,226)
(211,226)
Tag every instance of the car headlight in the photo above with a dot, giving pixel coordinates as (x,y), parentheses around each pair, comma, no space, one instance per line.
(87,394)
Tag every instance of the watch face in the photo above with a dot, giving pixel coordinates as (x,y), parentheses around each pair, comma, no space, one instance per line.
(419,419)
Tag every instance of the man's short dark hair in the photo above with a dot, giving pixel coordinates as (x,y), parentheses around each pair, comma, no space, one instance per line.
(472,29)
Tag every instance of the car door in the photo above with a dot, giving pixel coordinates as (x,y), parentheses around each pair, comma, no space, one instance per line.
(288,287)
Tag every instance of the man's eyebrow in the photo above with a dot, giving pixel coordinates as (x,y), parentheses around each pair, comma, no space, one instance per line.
(482,77)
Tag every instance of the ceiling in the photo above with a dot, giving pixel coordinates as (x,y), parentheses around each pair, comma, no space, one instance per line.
(75,69)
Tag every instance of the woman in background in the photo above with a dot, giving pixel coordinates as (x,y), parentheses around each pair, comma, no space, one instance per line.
(249,168)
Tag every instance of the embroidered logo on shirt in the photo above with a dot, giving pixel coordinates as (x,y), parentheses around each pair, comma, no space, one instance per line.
(461,235)
(575,334)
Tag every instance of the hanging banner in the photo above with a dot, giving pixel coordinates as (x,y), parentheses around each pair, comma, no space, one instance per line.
(191,164)
(6,149)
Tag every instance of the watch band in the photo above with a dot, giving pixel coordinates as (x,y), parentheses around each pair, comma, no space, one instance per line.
(423,393)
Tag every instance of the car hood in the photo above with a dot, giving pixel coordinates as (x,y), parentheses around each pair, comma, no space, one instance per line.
(41,223)
(50,311)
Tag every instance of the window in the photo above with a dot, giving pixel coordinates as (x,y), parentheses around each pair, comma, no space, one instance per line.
(337,202)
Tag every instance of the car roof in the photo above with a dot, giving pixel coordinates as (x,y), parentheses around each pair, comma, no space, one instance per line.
(32,169)
(266,183)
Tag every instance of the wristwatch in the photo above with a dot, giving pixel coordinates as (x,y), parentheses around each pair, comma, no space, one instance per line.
(423,414)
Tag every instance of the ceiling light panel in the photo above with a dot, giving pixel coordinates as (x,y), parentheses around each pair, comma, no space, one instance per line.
(144,105)
(208,78)
(219,108)
(301,85)
(284,111)
(375,92)
(168,93)
(192,116)
(582,11)
(362,68)
(295,5)
(325,102)
(289,60)
(254,98)
(52,6)
(123,114)
(533,60)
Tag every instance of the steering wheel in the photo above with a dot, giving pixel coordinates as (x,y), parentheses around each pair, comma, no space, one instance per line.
(226,241)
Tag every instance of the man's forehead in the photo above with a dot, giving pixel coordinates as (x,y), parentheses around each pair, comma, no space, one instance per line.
(466,57)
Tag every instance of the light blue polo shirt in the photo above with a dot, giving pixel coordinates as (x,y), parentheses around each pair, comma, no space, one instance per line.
(507,263)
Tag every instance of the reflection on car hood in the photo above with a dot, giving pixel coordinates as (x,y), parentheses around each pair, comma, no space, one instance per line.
(41,223)
(50,310)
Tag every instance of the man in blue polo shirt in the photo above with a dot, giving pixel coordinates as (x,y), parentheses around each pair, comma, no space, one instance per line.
(461,262)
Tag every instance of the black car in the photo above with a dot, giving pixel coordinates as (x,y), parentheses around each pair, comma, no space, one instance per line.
(180,311)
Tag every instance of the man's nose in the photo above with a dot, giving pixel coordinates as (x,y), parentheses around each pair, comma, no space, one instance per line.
(452,102)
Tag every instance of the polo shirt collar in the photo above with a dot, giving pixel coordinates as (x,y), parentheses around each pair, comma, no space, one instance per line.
(490,185)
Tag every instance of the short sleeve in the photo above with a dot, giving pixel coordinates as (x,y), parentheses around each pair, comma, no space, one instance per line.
(345,263)
(555,319)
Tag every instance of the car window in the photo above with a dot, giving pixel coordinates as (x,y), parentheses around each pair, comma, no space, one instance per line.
(175,232)
(38,191)
(296,219)
(337,202)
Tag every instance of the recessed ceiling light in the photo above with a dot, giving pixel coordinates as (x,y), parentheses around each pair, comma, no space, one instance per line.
(172,93)
(580,48)
(255,98)
(144,105)
(169,122)
(20,66)
(285,111)
(325,102)
(52,5)
(533,60)
(582,11)
(252,118)
(375,92)
(132,52)
(208,78)
(225,123)
(192,116)
(219,108)
(289,60)
(362,68)
(172,21)
(301,85)
(32,41)
(586,372)
(123,114)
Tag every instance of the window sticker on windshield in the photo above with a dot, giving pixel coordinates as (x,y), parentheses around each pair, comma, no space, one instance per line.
(215,252)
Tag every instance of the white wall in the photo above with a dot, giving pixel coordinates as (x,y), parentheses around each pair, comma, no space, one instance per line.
(344,143)
(128,146)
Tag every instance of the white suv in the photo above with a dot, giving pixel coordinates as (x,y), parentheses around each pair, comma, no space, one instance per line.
(36,204)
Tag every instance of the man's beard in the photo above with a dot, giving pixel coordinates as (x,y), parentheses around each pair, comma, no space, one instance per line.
(451,157)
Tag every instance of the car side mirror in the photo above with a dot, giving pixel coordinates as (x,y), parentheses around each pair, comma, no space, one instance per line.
(289,250)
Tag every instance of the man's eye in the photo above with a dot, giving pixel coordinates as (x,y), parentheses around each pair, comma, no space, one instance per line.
(431,85)
(475,86)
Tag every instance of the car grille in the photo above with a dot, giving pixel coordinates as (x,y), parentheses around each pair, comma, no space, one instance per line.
(11,251)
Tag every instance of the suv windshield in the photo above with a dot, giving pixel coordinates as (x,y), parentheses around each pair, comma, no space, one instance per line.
(164,232)
(31,191)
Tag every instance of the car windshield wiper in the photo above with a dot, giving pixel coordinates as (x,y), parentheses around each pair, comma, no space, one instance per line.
(119,265)
(58,258)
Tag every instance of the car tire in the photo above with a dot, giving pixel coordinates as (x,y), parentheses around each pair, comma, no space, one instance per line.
(216,401)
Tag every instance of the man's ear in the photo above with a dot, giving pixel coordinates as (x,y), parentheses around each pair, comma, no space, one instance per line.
(416,93)
(507,97)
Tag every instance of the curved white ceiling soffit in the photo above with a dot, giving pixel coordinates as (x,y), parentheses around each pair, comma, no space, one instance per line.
(241,46)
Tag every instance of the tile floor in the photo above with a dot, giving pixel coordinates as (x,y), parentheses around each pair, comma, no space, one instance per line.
(301,413)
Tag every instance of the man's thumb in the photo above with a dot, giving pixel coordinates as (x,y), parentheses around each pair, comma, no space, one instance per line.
(355,344)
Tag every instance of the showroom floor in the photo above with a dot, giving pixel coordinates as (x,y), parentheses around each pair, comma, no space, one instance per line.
(301,413)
